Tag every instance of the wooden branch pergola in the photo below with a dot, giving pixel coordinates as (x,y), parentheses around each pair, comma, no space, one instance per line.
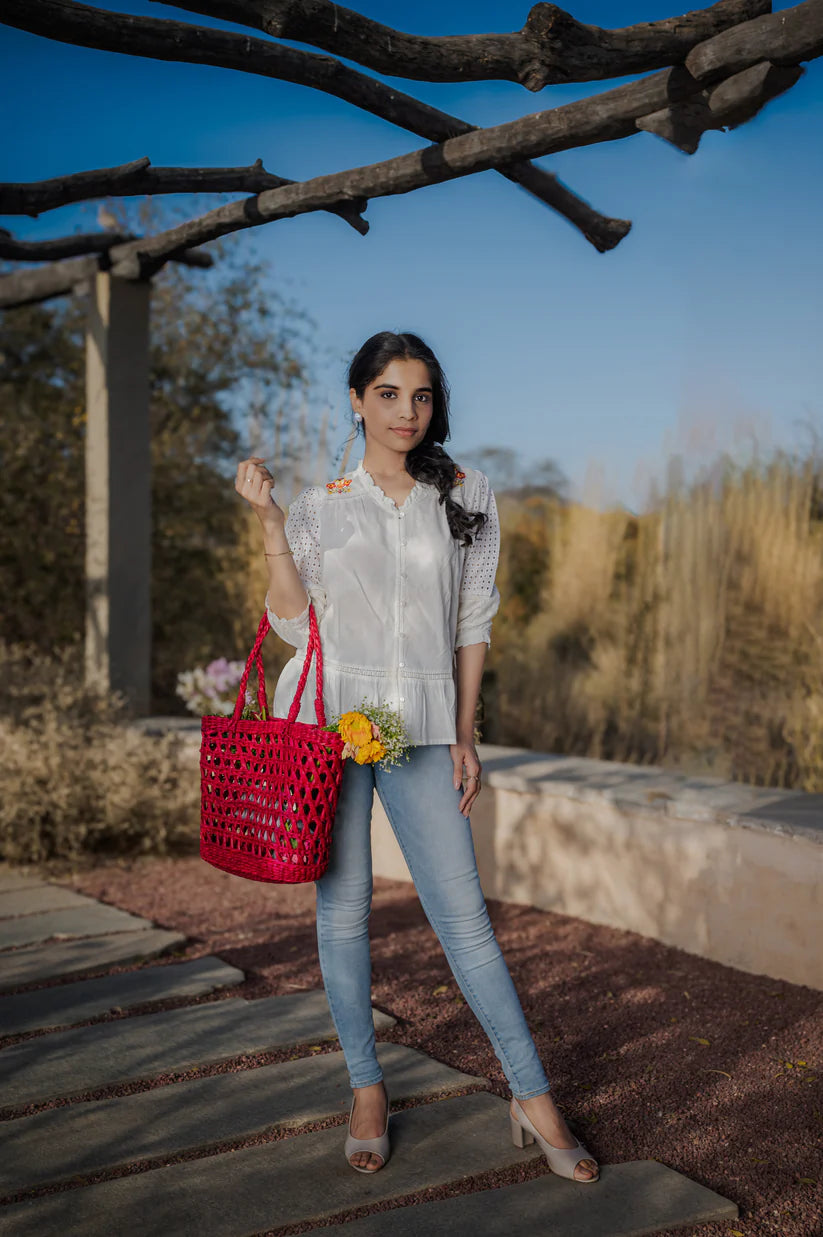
(712,68)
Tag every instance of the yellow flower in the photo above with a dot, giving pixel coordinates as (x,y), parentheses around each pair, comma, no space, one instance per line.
(355,728)
(370,752)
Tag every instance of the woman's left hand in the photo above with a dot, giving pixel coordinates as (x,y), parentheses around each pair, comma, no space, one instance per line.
(465,756)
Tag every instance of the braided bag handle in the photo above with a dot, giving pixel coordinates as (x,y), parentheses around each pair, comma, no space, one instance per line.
(255,657)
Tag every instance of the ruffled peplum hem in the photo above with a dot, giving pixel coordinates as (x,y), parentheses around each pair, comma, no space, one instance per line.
(430,699)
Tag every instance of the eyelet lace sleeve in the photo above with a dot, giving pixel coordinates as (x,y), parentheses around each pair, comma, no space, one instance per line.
(479,597)
(303,535)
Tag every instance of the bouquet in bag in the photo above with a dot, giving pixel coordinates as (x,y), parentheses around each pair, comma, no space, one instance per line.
(373,734)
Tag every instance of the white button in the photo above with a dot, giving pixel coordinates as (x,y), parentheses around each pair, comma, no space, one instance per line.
(401,514)
(401,698)
(401,663)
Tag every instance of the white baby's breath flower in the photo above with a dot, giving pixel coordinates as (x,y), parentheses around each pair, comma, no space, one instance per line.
(387,728)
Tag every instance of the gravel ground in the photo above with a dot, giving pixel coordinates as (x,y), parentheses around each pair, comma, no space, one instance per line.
(651,1052)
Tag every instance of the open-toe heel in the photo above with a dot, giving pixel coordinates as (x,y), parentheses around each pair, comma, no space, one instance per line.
(377,1146)
(562,1160)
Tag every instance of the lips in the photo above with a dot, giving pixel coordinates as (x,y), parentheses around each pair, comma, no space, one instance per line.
(408,433)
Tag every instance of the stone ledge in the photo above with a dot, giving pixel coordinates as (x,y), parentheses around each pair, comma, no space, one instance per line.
(653,789)
(635,787)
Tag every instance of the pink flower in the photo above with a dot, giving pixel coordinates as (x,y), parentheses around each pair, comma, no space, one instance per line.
(375,731)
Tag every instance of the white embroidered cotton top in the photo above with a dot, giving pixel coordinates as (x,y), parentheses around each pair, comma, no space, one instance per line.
(394,594)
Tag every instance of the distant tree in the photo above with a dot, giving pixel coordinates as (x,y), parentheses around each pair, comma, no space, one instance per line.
(227,355)
(510,474)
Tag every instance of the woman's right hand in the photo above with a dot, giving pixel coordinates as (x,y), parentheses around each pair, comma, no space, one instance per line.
(254,482)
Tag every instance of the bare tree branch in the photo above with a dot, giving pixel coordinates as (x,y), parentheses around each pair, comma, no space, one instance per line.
(784,38)
(601,118)
(82,243)
(603,232)
(29,287)
(139,177)
(749,82)
(552,47)
(731,103)
(21,198)
(604,117)
(85,26)
(740,97)
(609,116)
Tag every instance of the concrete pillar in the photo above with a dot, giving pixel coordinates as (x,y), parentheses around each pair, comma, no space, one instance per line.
(118,490)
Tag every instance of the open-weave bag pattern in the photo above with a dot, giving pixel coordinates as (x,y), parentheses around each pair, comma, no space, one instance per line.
(269,789)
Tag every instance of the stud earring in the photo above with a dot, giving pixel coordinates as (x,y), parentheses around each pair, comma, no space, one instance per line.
(358,417)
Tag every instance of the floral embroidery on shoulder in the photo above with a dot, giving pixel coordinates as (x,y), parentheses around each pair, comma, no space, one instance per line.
(460,477)
(339,486)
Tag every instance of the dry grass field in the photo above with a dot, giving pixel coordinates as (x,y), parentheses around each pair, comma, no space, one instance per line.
(690,636)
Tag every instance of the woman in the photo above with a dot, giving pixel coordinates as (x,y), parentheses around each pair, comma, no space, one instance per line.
(399,558)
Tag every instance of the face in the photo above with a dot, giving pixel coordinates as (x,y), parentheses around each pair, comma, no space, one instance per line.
(399,399)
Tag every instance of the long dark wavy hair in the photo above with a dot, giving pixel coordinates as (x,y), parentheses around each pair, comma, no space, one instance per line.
(428,461)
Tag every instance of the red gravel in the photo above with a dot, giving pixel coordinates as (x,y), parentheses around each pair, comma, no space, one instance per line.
(651,1052)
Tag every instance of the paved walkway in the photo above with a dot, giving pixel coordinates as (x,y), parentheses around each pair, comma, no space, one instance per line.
(241,1162)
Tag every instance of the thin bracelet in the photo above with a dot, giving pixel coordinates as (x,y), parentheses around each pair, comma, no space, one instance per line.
(278,553)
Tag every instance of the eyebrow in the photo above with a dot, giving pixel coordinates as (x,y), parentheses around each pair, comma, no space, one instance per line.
(392,387)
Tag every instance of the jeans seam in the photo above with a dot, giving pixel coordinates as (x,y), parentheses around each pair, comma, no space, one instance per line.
(450,957)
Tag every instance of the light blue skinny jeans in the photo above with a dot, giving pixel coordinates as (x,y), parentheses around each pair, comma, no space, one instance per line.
(422,805)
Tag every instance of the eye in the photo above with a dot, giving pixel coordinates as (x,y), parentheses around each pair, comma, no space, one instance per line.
(385,393)
(424,396)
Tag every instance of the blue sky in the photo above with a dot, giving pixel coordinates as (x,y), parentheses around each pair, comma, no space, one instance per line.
(701,330)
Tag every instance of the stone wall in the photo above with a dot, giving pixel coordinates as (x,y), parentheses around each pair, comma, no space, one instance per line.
(726,871)
(722,870)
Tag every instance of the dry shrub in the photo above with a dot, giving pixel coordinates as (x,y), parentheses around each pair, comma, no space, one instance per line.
(75,779)
(690,636)
(803,729)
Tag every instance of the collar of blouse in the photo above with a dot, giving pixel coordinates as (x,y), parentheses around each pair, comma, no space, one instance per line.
(418,490)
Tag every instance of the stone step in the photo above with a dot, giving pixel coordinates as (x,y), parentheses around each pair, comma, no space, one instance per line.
(95,920)
(301,1178)
(69,1063)
(35,963)
(66,1004)
(33,901)
(11,880)
(59,1143)
(635,1199)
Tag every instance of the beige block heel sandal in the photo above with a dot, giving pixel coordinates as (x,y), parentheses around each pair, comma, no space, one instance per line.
(562,1160)
(377,1146)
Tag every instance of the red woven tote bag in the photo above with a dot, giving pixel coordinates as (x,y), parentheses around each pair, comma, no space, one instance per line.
(269,789)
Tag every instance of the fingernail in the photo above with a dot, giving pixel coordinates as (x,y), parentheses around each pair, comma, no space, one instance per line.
(456,785)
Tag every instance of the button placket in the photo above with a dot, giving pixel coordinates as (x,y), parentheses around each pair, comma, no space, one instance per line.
(401,602)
